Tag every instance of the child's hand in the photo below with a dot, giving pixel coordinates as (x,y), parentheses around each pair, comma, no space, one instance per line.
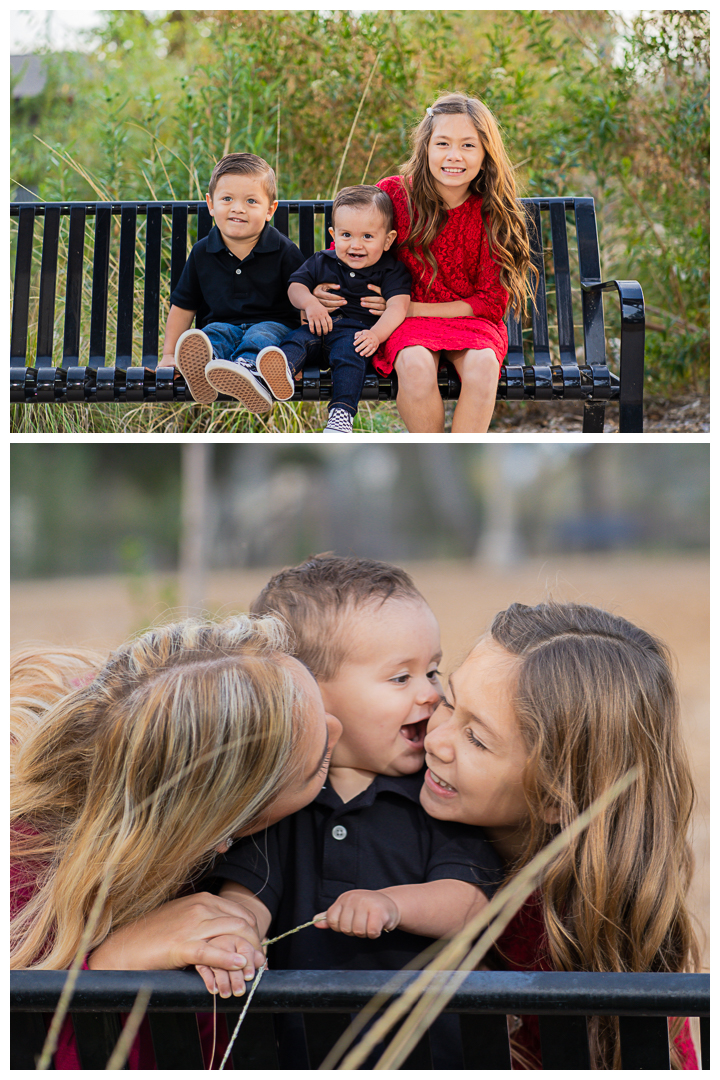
(319,320)
(375,304)
(231,980)
(366,342)
(327,298)
(361,913)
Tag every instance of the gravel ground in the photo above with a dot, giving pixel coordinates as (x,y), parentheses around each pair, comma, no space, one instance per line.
(683,413)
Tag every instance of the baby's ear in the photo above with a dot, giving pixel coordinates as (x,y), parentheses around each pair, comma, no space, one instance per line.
(208,200)
(271,210)
(551,814)
(389,239)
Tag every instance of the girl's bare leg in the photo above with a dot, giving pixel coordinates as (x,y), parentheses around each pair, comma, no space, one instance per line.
(418,399)
(479,370)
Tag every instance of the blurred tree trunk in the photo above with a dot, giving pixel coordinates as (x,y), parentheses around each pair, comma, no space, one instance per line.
(500,542)
(196,463)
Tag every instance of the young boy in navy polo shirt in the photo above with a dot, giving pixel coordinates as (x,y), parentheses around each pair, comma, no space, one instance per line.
(365,852)
(363,233)
(235,281)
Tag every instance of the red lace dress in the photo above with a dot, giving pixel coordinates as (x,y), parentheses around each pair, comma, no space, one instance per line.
(521,947)
(465,272)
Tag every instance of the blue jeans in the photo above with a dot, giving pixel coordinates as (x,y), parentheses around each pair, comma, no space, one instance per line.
(245,341)
(348,367)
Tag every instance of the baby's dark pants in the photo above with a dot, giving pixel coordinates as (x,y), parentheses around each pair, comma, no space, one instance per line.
(348,367)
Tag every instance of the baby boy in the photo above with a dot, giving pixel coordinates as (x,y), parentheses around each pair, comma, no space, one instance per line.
(363,233)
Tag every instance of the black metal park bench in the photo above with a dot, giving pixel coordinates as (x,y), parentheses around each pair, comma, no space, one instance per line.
(62,308)
(325,1000)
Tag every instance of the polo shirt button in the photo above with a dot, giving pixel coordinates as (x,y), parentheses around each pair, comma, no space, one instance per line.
(339,832)
(238,271)
(352,273)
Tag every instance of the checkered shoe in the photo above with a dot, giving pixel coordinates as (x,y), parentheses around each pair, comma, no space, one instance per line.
(239,382)
(340,420)
(193,352)
(273,366)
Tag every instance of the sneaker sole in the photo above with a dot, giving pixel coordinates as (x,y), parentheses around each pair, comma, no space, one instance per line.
(192,360)
(235,386)
(273,369)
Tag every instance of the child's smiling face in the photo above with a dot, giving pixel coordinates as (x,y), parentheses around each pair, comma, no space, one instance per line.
(387,690)
(240,206)
(455,154)
(361,235)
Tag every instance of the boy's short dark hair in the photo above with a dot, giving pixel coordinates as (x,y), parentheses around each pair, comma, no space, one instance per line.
(314,597)
(245,165)
(366,195)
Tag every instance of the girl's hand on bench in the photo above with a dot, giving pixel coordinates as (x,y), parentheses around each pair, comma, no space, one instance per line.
(361,913)
(227,981)
(179,933)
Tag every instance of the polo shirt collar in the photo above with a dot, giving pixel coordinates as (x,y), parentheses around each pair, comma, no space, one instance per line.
(269,240)
(408,786)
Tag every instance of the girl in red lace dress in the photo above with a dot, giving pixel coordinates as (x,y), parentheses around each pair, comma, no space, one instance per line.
(550,708)
(463,236)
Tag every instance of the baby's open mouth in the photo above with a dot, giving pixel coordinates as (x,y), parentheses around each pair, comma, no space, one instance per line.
(415,733)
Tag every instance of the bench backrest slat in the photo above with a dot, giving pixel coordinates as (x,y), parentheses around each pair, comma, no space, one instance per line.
(644,1039)
(48,279)
(96,1035)
(101,267)
(564,1042)
(205,221)
(256,1045)
(126,287)
(589,261)
(21,297)
(176,1041)
(485,1041)
(306,227)
(541,344)
(178,243)
(151,302)
(73,289)
(563,290)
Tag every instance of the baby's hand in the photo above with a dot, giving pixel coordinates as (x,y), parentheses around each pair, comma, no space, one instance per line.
(361,913)
(366,342)
(231,980)
(319,319)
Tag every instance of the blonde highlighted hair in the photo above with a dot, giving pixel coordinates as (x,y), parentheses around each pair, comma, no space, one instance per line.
(140,767)
(596,696)
(502,212)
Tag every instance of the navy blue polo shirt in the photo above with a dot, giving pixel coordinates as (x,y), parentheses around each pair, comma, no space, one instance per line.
(392,276)
(382,837)
(222,288)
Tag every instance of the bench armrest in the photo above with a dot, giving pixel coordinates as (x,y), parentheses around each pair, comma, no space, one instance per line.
(632,347)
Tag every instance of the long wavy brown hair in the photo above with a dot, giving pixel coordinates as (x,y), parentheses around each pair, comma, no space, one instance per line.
(596,696)
(139,768)
(502,212)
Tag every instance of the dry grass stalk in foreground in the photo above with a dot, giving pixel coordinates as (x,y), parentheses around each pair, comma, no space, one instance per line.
(451,965)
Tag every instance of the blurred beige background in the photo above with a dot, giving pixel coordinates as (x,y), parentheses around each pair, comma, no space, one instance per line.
(668,595)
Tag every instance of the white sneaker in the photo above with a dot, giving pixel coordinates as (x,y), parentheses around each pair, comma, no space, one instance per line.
(238,382)
(273,366)
(192,355)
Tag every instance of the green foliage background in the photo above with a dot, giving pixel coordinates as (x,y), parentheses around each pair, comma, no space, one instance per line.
(590,102)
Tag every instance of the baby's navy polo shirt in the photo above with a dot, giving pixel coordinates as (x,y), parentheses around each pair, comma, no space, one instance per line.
(392,276)
(382,837)
(223,288)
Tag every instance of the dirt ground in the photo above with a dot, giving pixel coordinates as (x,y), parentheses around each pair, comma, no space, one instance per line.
(669,596)
(682,412)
